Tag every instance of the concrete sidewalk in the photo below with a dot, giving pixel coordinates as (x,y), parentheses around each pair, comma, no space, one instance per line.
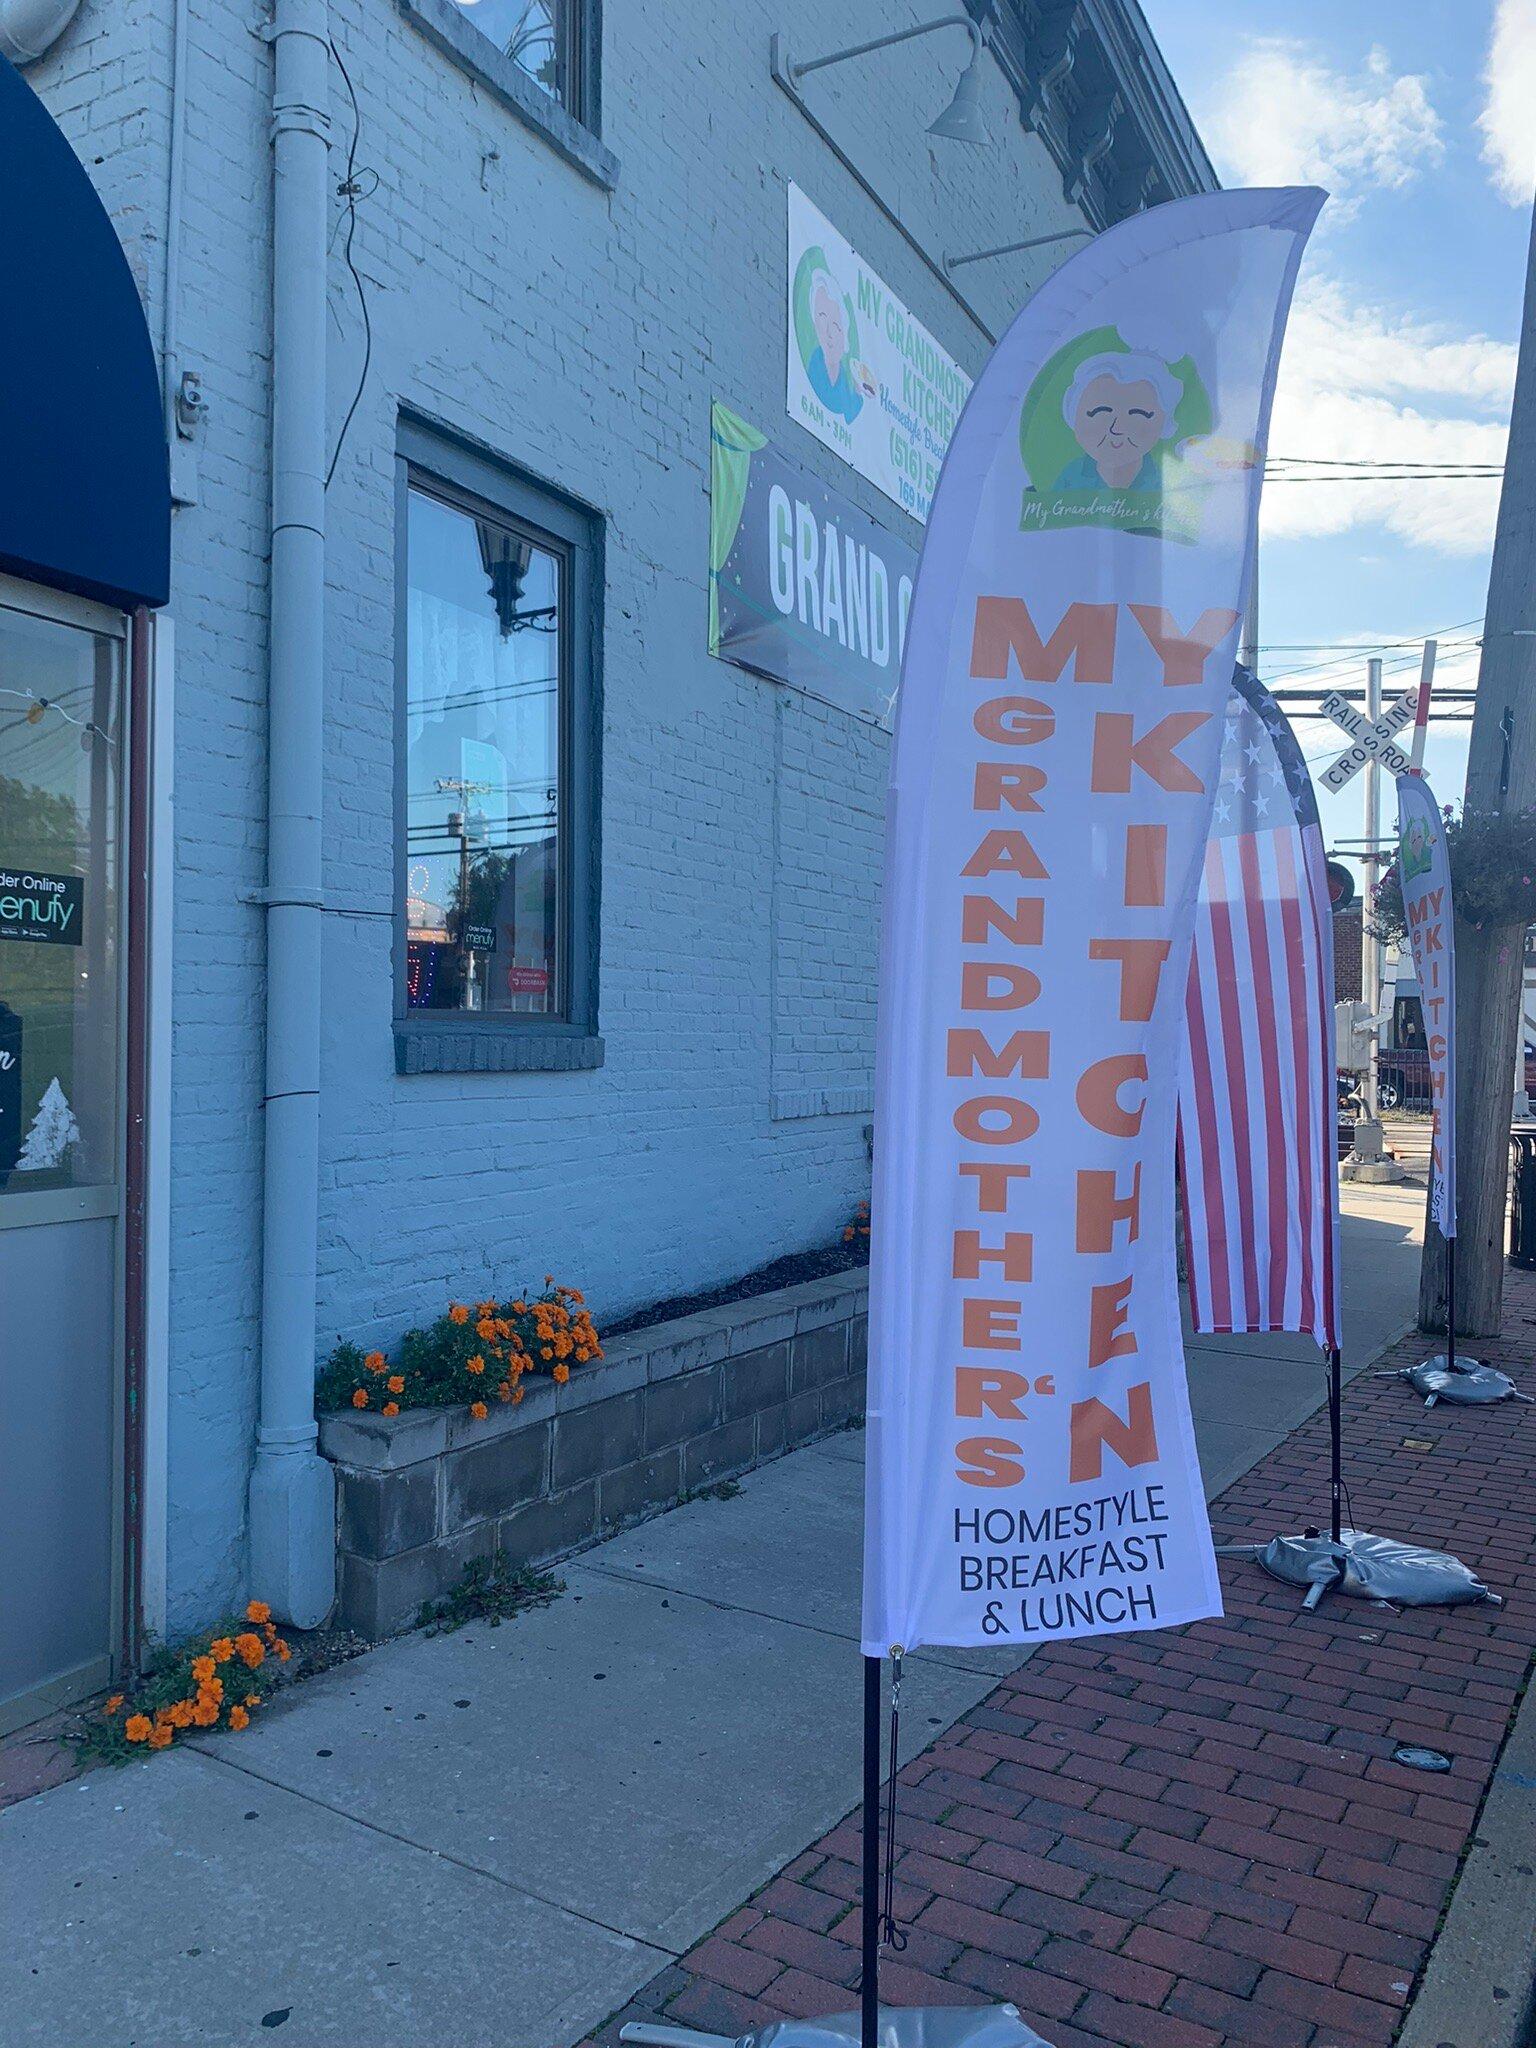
(497,1837)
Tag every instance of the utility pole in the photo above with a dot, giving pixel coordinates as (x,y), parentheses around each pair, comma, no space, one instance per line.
(1501,777)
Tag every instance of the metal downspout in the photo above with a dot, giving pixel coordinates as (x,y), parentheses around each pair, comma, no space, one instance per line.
(292,1499)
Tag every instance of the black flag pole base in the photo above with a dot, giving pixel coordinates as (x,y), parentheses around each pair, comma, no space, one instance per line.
(926,2026)
(1459,1382)
(1365,1567)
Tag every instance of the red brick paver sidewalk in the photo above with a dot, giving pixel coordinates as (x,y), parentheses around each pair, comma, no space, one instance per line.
(1196,1837)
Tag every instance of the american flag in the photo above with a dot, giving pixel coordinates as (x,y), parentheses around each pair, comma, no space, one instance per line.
(1257,1104)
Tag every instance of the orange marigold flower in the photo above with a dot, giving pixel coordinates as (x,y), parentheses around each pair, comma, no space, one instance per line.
(202,1668)
(359,1397)
(582,1354)
(395,1384)
(114,1703)
(561,1374)
(137,1727)
(503,1327)
(282,1649)
(253,1699)
(162,1735)
(390,1408)
(520,1308)
(239,1718)
(251,1650)
(546,1352)
(475,1364)
(374,1361)
(211,1689)
(485,1308)
(180,1714)
(457,1312)
(221,1649)
(517,1395)
(479,1410)
(205,1714)
(257,1611)
(485,1330)
(575,1294)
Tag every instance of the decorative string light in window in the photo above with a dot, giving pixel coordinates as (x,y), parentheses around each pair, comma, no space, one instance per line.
(39,707)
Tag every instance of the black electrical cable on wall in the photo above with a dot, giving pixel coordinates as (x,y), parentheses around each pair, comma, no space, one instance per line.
(352,191)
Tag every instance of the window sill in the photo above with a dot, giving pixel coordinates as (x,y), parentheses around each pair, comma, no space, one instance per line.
(439,1049)
(444,26)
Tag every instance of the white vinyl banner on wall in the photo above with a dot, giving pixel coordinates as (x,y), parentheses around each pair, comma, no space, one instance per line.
(1425,873)
(865,375)
(1031,1463)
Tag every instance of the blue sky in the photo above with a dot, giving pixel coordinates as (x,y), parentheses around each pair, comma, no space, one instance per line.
(1417,117)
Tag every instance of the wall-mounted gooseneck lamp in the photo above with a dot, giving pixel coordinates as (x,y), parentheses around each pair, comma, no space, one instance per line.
(961,120)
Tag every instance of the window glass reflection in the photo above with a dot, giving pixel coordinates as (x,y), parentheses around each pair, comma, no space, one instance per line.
(483,661)
(535,34)
(59,825)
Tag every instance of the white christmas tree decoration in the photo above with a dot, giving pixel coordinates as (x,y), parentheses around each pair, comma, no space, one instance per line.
(53,1131)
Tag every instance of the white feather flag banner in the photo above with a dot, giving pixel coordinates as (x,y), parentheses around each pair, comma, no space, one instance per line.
(1031,1462)
(1424,870)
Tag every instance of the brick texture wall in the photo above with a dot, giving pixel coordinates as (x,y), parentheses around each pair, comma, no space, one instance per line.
(581,335)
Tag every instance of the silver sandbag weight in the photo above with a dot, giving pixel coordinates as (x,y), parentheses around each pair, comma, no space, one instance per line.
(1460,1382)
(944,2026)
(1369,1567)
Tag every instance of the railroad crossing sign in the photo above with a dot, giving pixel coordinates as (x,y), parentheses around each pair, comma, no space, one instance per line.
(1368,742)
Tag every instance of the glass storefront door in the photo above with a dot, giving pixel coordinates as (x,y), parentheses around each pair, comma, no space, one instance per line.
(62,730)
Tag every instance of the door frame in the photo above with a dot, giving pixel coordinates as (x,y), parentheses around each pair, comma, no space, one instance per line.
(140,1114)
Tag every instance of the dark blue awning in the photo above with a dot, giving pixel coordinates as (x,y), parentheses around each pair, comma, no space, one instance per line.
(85,499)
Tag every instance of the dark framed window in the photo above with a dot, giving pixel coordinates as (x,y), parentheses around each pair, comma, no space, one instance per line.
(541,58)
(543,38)
(497,823)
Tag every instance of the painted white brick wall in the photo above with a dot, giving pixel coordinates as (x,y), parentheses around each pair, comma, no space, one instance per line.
(580,335)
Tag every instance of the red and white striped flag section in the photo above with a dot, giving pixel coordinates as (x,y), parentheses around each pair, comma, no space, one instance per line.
(1257,1102)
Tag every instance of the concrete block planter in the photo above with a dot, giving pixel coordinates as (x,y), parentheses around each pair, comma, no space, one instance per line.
(667,1410)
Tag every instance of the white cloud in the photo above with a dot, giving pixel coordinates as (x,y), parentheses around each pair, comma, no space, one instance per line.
(1509,76)
(1283,118)
(1360,382)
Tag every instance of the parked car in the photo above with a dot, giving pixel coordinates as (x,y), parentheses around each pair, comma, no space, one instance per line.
(1402,1078)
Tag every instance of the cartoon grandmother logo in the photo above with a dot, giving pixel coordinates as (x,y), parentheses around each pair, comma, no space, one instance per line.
(827,335)
(1416,846)
(1121,436)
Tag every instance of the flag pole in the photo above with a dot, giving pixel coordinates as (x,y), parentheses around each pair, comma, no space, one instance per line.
(1336,1441)
(1450,1304)
(870,1983)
